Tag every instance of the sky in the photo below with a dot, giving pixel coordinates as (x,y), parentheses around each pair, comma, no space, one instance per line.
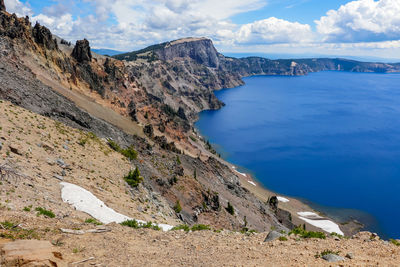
(323,27)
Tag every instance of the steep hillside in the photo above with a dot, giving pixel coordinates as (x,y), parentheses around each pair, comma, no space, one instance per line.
(31,77)
(38,155)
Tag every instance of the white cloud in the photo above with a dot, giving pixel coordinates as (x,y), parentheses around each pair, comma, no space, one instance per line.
(17,7)
(362,21)
(273,30)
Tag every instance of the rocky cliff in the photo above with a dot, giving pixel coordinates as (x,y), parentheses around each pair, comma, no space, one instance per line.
(105,97)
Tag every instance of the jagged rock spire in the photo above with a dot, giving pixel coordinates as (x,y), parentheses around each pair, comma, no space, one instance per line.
(82,51)
(2,6)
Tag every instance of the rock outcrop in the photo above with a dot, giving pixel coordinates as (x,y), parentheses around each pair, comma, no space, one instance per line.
(2,6)
(201,50)
(43,36)
(82,51)
(30,253)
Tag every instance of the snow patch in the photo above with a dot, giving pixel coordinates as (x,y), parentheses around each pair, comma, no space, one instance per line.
(252,183)
(85,201)
(325,225)
(282,199)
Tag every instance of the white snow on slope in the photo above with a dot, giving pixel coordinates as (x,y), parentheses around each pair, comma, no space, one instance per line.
(252,183)
(325,225)
(282,199)
(85,201)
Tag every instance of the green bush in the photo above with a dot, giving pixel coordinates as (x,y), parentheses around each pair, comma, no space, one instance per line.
(283,238)
(178,207)
(130,153)
(47,213)
(114,145)
(133,178)
(326,252)
(307,234)
(131,223)
(93,221)
(394,242)
(137,225)
(184,227)
(230,209)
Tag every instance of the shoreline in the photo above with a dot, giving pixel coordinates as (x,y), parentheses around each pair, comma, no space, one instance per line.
(302,213)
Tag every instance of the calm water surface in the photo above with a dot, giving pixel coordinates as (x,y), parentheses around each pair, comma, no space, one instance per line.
(332,138)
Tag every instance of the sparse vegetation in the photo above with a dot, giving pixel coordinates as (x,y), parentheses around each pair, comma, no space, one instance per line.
(93,221)
(137,225)
(196,227)
(44,212)
(130,153)
(307,234)
(133,178)
(283,238)
(326,252)
(178,207)
(27,208)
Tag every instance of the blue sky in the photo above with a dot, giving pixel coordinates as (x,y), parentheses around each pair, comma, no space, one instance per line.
(323,27)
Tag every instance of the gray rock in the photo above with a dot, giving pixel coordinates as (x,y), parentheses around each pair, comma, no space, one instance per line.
(272,236)
(350,255)
(65,147)
(1,145)
(332,258)
(60,162)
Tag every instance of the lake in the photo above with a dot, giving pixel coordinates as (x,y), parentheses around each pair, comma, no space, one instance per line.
(331,138)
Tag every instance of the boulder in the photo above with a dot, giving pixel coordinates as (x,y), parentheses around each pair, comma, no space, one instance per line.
(332,258)
(82,51)
(273,235)
(30,253)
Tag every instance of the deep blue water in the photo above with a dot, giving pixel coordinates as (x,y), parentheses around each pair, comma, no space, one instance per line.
(332,138)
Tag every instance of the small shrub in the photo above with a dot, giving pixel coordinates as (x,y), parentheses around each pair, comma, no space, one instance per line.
(130,153)
(336,234)
(178,207)
(137,225)
(27,208)
(307,234)
(131,223)
(326,252)
(283,238)
(193,138)
(230,209)
(114,145)
(133,178)
(93,221)
(46,213)
(178,160)
(200,227)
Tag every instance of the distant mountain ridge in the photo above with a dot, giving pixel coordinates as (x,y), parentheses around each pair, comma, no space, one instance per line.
(203,52)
